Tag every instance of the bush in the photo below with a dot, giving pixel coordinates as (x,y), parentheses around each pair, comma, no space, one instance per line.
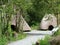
(57,33)
(8,36)
(3,40)
(45,41)
(35,26)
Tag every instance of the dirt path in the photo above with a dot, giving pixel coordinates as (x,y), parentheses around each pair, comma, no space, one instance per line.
(33,37)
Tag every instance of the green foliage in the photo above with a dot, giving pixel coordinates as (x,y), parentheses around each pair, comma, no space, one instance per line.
(35,26)
(45,41)
(48,6)
(57,33)
(20,36)
(3,40)
(40,7)
(32,10)
(3,2)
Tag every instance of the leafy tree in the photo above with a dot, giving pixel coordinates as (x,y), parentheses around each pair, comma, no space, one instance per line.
(40,7)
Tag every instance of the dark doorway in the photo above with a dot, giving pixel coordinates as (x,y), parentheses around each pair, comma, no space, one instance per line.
(14,28)
(50,27)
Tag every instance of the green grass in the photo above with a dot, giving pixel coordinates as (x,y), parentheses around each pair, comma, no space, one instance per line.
(8,36)
(35,26)
(5,40)
(45,41)
(47,38)
(20,36)
(57,33)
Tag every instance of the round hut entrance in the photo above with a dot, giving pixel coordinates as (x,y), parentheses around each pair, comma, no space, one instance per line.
(50,27)
(14,28)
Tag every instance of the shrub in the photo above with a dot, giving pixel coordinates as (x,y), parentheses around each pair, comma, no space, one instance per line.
(3,40)
(45,41)
(57,33)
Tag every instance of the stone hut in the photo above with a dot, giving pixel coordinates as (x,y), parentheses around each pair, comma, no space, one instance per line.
(49,21)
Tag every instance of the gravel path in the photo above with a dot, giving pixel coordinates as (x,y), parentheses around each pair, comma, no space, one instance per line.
(29,40)
(33,37)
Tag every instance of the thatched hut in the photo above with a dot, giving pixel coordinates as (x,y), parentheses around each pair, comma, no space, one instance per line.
(49,21)
(23,25)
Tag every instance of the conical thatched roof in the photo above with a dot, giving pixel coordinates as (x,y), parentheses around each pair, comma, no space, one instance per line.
(23,24)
